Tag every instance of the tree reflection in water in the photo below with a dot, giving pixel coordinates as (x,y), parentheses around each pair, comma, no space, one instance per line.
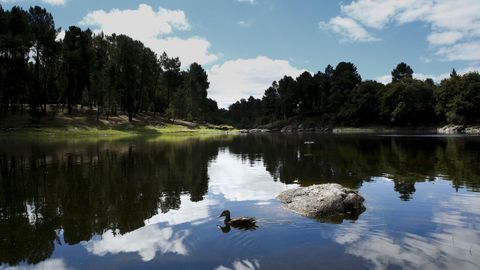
(83,189)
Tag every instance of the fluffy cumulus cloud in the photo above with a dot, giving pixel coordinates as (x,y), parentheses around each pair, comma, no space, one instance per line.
(454,24)
(348,28)
(152,27)
(241,78)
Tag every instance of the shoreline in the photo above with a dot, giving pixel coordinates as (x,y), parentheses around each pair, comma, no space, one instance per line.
(86,125)
(180,131)
(92,131)
(441,130)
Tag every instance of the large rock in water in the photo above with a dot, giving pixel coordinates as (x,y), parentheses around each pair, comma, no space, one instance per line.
(327,202)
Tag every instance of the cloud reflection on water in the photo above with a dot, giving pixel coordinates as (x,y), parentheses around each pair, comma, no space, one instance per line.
(239,180)
(158,235)
(241,265)
(453,244)
(57,264)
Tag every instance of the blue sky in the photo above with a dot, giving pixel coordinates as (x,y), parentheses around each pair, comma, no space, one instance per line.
(246,44)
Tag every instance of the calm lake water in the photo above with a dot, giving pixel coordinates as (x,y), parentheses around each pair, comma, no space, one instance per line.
(153,204)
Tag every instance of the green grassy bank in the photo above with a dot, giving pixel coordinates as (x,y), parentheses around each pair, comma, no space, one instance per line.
(86,125)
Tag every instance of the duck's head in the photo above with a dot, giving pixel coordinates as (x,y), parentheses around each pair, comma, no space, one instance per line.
(225,213)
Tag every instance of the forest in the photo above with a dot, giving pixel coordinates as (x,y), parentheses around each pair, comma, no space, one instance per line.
(338,96)
(42,73)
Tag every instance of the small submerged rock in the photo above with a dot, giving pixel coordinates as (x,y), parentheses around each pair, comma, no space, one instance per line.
(326,202)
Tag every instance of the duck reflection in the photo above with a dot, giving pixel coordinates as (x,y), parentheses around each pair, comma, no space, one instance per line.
(225,229)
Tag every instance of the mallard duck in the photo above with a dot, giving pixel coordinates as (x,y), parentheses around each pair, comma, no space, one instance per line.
(242,223)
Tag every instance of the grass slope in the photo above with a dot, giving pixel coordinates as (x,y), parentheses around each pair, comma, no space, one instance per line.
(85,124)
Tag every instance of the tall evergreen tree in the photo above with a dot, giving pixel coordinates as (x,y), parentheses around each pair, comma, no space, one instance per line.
(401,72)
(45,51)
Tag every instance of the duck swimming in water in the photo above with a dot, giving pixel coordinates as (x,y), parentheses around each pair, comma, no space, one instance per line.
(242,223)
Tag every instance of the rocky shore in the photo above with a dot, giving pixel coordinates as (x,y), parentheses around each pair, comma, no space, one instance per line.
(459,129)
(300,128)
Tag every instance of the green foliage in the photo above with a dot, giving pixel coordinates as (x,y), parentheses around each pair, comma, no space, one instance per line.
(338,96)
(246,113)
(363,108)
(401,72)
(108,73)
(458,98)
(408,103)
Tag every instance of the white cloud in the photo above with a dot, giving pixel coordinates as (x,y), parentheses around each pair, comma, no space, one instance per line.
(385,79)
(151,27)
(194,49)
(375,13)
(55,2)
(469,51)
(142,23)
(239,181)
(348,28)
(444,38)
(244,23)
(251,2)
(241,78)
(60,35)
(454,24)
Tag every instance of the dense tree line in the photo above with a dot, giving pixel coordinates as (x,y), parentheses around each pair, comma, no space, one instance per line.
(338,96)
(109,74)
